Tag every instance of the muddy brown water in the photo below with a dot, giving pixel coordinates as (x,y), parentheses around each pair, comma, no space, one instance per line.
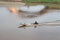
(9,23)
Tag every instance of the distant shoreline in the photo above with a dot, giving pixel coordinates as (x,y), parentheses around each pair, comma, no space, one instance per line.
(11,3)
(46,2)
(50,5)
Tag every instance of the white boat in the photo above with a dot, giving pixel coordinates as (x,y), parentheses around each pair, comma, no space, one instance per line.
(33,9)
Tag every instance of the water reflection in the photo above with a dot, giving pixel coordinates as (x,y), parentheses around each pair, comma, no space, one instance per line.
(21,14)
(28,12)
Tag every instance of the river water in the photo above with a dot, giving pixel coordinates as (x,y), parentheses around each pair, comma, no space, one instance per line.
(9,23)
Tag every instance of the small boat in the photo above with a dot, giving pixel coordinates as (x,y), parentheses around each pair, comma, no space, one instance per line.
(32,9)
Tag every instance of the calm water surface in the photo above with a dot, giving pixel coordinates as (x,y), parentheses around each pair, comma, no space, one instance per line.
(10,21)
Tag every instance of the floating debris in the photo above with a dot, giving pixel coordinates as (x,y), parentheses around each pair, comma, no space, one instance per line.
(24,25)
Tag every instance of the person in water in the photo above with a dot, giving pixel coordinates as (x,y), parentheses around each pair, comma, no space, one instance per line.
(35,23)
